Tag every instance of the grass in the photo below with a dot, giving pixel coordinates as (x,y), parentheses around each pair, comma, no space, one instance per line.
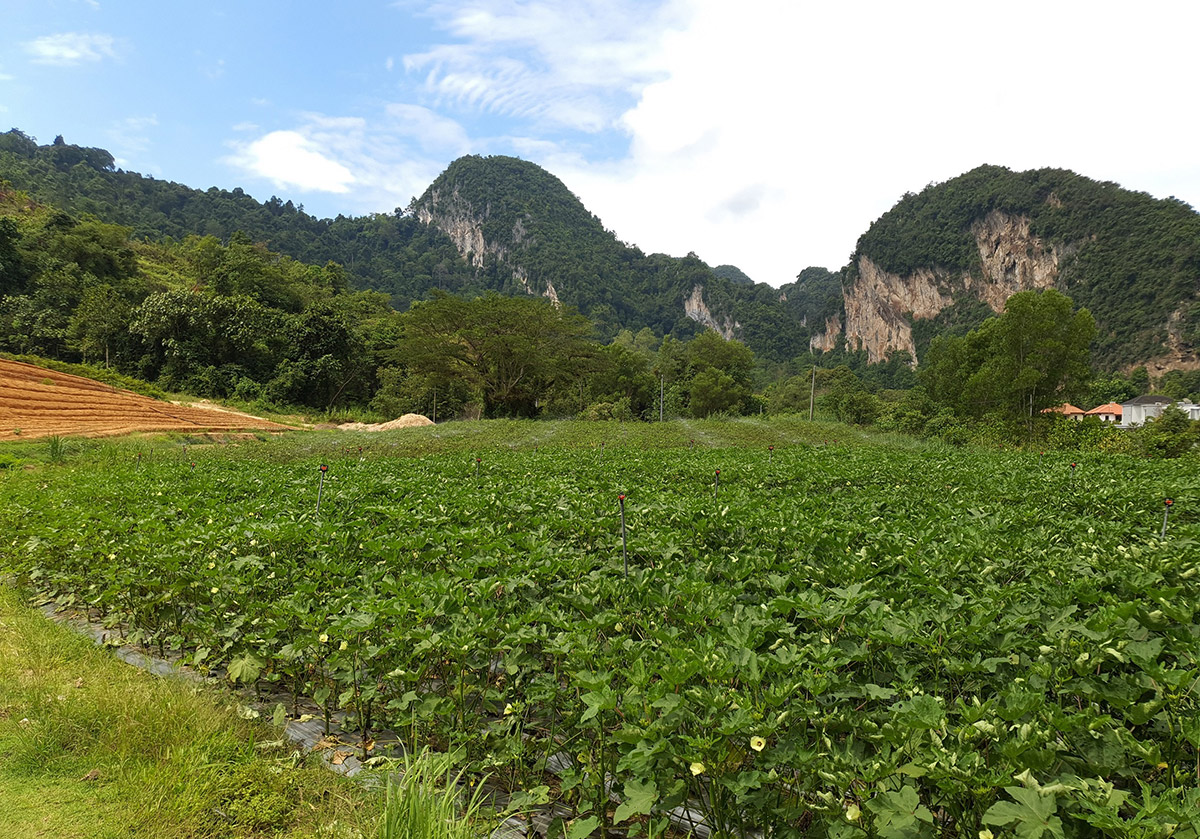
(425,802)
(91,747)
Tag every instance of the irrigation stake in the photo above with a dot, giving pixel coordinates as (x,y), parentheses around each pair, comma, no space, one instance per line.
(1166,512)
(770,453)
(321,486)
(716,483)
(624,541)
(478,461)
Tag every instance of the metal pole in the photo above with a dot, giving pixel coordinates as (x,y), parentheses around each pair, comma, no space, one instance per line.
(1166,512)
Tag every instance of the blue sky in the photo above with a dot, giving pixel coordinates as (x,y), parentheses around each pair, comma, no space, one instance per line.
(765,133)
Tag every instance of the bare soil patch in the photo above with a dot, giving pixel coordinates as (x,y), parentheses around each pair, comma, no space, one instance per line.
(406,421)
(36,402)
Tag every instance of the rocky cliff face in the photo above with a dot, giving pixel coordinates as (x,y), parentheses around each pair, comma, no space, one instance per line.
(696,309)
(463,223)
(880,306)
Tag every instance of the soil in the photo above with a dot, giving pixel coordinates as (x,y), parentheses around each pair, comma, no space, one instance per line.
(406,421)
(36,402)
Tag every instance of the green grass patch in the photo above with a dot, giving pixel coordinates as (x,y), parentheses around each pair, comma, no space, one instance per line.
(91,747)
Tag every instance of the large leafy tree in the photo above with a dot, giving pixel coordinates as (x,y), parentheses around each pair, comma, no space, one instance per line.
(512,351)
(1031,357)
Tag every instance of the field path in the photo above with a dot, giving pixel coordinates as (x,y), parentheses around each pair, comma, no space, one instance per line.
(37,402)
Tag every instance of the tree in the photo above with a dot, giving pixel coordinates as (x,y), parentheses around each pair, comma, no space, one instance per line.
(1033,356)
(720,372)
(511,350)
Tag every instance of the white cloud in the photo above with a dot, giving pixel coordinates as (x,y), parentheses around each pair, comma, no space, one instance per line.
(289,159)
(781,130)
(380,162)
(130,136)
(70,48)
(433,132)
(573,63)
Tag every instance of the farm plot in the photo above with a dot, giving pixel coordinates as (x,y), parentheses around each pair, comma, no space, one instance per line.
(37,402)
(834,642)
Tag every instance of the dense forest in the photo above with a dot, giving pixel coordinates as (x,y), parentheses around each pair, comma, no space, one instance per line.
(612,283)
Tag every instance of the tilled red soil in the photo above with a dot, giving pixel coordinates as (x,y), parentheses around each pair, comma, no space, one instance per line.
(36,402)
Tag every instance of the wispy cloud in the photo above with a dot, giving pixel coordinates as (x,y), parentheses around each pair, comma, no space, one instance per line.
(130,136)
(67,49)
(576,64)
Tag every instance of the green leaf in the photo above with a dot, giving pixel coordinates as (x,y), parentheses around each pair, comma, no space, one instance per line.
(1032,815)
(901,815)
(581,828)
(640,798)
(245,669)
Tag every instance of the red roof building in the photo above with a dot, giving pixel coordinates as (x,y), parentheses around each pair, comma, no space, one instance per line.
(1109,412)
(1067,410)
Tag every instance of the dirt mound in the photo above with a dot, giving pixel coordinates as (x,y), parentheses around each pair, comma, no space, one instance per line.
(406,421)
(36,402)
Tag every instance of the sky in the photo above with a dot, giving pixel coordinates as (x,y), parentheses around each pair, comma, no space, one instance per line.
(766,134)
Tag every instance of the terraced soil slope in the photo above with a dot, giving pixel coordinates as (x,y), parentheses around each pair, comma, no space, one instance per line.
(36,402)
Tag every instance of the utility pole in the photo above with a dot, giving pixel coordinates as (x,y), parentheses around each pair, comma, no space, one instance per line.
(812,392)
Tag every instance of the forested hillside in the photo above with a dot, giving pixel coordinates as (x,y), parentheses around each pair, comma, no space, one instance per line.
(1131,259)
(404,255)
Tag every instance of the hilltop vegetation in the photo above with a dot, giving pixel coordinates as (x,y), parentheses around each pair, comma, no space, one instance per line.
(1132,260)
(613,284)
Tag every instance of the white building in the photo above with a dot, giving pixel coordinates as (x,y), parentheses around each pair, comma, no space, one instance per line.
(1135,412)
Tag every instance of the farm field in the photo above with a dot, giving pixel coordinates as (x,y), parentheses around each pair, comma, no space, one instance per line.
(824,639)
(38,402)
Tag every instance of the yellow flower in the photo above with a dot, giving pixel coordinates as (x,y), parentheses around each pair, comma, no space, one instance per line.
(758,743)
(324,639)
(215,589)
(853,814)
(508,709)
(986,834)
(344,645)
(697,768)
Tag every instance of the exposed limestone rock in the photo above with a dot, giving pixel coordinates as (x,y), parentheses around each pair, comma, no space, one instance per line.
(520,276)
(827,340)
(696,309)
(551,293)
(456,218)
(1012,259)
(880,306)
(1178,355)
